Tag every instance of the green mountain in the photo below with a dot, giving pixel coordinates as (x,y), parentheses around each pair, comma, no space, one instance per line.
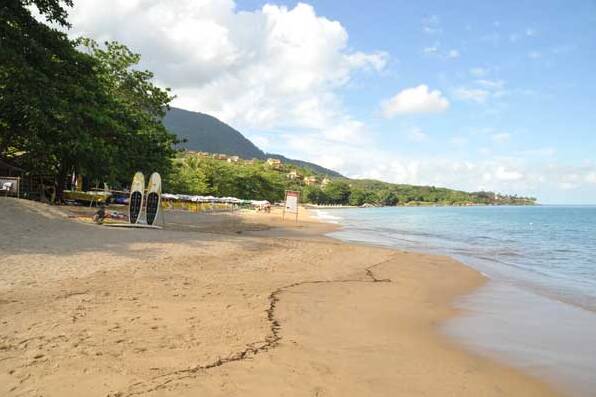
(205,133)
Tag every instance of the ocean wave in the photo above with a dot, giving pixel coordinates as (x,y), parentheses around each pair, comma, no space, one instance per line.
(326,217)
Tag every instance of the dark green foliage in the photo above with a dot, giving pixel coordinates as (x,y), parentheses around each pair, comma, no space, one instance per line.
(204,175)
(65,110)
(202,132)
(313,168)
(398,194)
(337,192)
(188,178)
(207,176)
(387,197)
(140,139)
(360,197)
(314,194)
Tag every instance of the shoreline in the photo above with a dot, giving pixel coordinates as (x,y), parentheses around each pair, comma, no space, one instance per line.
(146,309)
(415,205)
(507,319)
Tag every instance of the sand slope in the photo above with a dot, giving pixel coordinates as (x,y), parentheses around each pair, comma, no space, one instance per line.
(94,311)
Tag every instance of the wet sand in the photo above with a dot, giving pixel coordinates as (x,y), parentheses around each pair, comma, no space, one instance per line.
(222,304)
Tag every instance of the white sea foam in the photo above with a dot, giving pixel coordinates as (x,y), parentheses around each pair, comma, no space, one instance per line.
(326,216)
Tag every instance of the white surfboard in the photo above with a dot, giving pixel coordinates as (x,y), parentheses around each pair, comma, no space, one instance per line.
(153,198)
(135,201)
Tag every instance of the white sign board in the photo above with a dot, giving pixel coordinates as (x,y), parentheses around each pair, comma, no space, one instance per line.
(9,185)
(292,202)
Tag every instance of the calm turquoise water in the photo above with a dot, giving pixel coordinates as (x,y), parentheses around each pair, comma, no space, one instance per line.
(538,312)
(548,248)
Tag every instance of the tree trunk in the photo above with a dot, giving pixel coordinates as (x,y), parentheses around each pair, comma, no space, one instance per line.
(60,185)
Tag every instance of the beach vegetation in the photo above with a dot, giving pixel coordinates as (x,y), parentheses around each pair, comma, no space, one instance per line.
(73,105)
(212,174)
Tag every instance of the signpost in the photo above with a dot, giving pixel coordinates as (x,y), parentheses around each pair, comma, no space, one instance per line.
(291,204)
(10,185)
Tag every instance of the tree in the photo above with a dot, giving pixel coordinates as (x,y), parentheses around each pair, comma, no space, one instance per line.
(387,197)
(187,177)
(64,110)
(338,192)
(314,194)
(359,197)
(142,141)
(49,94)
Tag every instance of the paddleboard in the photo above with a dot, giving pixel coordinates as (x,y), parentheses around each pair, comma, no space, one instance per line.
(135,202)
(153,197)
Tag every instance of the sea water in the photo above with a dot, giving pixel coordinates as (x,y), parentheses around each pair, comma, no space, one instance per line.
(538,310)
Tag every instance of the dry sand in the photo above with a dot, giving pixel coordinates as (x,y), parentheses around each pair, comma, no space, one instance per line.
(227,305)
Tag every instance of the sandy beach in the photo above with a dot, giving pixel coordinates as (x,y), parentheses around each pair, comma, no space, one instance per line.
(226,304)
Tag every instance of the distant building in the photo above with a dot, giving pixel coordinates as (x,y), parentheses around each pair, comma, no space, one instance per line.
(219,156)
(274,163)
(233,159)
(310,180)
(294,175)
(325,181)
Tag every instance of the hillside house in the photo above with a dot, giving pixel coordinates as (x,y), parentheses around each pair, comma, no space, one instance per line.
(293,175)
(233,159)
(274,163)
(310,180)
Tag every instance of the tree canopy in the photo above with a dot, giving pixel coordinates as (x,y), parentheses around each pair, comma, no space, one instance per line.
(201,174)
(75,105)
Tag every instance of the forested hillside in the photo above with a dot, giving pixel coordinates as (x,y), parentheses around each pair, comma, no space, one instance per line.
(201,132)
(204,133)
(202,174)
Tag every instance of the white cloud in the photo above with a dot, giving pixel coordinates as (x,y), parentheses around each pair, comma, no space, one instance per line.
(501,137)
(261,141)
(534,54)
(416,135)
(478,72)
(517,174)
(431,50)
(432,25)
(436,52)
(540,152)
(494,85)
(471,94)
(481,91)
(458,141)
(415,100)
(517,36)
(504,174)
(273,68)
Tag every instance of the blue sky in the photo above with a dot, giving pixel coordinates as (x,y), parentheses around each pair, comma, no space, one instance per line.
(465,94)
